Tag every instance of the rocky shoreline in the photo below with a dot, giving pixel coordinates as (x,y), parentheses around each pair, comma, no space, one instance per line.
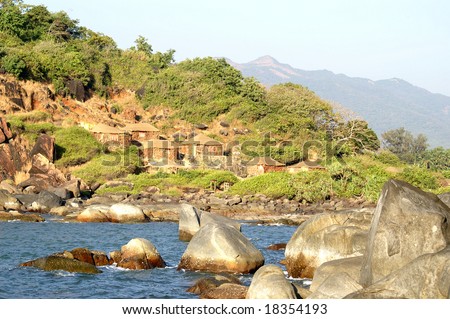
(16,203)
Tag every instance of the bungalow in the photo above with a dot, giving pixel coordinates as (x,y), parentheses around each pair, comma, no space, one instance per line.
(111,135)
(141,131)
(264,164)
(305,166)
(159,151)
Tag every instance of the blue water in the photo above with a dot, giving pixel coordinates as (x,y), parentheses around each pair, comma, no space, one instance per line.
(20,242)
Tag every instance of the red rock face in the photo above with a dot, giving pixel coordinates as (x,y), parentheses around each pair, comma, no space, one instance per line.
(6,131)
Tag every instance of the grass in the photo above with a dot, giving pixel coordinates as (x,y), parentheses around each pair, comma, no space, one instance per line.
(75,146)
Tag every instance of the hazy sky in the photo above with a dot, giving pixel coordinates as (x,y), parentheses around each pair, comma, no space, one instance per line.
(375,39)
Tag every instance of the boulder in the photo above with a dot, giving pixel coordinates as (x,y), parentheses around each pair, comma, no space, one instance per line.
(83,254)
(445,198)
(189,222)
(191,219)
(100,258)
(8,201)
(426,277)
(407,223)
(269,282)
(351,267)
(140,253)
(45,145)
(43,169)
(221,248)
(94,214)
(46,201)
(5,131)
(326,237)
(336,286)
(9,186)
(226,291)
(51,263)
(202,285)
(208,218)
(125,213)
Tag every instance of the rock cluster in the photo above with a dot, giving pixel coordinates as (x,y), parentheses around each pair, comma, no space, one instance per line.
(406,255)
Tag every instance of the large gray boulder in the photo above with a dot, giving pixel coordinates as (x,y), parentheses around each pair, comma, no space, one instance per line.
(269,282)
(336,279)
(407,223)
(426,277)
(126,213)
(221,248)
(46,201)
(189,222)
(191,219)
(326,237)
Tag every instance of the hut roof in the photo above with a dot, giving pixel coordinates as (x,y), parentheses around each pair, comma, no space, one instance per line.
(103,128)
(307,164)
(202,139)
(264,160)
(140,127)
(158,144)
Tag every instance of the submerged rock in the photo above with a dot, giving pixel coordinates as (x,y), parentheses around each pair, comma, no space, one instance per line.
(221,248)
(51,263)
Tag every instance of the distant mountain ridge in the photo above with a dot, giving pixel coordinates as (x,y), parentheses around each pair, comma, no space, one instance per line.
(385,104)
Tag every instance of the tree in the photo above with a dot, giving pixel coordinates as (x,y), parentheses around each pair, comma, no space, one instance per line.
(437,159)
(402,143)
(142,45)
(355,136)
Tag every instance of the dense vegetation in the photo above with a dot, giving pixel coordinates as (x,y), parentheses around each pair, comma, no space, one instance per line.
(287,121)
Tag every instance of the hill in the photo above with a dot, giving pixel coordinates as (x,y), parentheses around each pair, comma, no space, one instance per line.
(385,104)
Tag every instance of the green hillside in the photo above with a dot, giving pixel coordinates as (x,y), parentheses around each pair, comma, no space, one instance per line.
(286,121)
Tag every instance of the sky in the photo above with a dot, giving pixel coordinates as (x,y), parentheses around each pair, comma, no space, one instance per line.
(374,39)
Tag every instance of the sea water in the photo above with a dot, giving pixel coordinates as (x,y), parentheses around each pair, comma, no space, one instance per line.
(20,242)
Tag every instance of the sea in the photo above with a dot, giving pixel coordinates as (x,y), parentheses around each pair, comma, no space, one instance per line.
(22,241)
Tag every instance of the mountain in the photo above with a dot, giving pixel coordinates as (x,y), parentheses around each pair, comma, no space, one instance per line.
(385,104)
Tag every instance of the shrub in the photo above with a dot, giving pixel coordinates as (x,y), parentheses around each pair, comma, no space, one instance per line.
(75,146)
(110,166)
(276,185)
(218,176)
(312,186)
(419,177)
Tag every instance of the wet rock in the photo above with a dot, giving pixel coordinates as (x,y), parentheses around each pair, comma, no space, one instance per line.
(269,282)
(204,284)
(83,254)
(226,291)
(51,263)
(221,248)
(407,223)
(14,215)
(279,246)
(326,237)
(140,253)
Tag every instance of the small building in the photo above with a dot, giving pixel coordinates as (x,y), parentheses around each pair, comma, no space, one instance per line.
(305,166)
(106,134)
(141,131)
(264,164)
(206,146)
(163,151)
